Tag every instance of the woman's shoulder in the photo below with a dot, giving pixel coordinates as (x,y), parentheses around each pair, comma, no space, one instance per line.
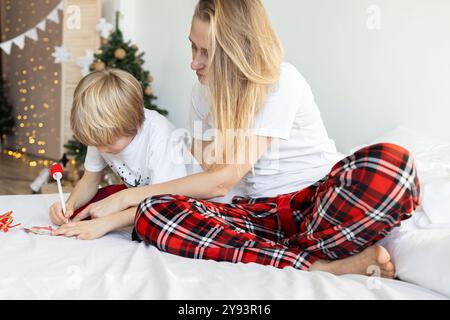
(289,74)
(291,83)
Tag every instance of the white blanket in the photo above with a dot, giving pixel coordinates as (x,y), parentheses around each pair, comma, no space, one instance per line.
(114,267)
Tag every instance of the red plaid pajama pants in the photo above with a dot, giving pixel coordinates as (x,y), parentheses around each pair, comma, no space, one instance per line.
(363,197)
(358,203)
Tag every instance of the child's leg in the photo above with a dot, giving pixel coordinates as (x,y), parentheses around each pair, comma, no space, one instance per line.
(363,198)
(101,194)
(206,230)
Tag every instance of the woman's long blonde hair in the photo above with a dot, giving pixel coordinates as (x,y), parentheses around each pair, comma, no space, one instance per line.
(244,62)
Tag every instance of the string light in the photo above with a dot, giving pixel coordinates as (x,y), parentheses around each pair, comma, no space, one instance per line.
(36,80)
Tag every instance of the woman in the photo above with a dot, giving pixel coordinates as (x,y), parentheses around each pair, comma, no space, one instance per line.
(329,215)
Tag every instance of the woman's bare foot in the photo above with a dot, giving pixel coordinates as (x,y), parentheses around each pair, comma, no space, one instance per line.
(375,256)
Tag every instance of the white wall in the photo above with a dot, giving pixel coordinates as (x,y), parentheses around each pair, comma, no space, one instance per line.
(365,81)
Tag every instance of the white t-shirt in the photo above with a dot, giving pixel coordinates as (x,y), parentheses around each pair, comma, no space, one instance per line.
(152,157)
(301,152)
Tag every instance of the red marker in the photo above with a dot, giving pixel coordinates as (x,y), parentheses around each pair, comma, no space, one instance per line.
(56,172)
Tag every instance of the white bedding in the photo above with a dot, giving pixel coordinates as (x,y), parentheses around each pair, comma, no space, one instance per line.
(43,267)
(114,267)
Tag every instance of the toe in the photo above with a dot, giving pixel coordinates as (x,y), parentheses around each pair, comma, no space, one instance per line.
(382,255)
(388,267)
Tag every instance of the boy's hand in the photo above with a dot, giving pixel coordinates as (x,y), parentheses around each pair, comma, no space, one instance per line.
(56,213)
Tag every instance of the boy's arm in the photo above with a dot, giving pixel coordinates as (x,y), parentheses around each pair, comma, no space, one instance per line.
(84,191)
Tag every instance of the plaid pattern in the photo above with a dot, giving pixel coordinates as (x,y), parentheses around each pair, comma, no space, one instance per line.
(359,202)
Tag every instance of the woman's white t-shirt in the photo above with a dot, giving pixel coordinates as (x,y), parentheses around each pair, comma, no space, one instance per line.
(301,152)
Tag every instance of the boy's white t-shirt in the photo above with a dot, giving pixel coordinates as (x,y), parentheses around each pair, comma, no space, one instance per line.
(301,152)
(155,155)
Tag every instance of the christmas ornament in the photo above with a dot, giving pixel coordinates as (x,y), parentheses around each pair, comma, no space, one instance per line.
(99,66)
(120,54)
(73,172)
(148,91)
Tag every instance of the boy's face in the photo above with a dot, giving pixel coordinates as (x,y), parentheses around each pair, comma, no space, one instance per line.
(117,146)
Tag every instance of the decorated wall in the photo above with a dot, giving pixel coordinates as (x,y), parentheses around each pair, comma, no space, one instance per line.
(30,30)
(44,45)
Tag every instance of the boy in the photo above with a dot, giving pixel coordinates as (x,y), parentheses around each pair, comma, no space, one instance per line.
(108,116)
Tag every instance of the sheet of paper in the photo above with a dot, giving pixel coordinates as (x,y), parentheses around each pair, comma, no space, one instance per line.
(47,231)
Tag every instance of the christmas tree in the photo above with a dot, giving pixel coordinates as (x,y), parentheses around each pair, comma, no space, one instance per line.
(6,115)
(116,53)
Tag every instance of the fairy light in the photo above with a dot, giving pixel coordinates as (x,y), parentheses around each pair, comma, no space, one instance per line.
(34,80)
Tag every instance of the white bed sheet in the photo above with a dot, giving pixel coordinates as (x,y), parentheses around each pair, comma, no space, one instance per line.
(114,267)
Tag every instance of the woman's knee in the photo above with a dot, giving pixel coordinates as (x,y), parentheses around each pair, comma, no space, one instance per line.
(389,152)
(398,163)
(149,211)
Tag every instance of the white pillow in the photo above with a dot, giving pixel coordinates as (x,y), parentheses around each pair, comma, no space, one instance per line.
(422,257)
(420,248)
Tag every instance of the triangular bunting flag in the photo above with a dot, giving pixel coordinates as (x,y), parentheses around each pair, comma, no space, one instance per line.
(42,25)
(32,34)
(6,46)
(54,15)
(19,41)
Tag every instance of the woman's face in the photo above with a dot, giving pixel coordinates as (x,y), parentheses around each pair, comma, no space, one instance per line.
(199,38)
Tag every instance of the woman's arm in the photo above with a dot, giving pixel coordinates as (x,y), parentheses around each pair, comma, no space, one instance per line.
(206,185)
(85,189)
(210,184)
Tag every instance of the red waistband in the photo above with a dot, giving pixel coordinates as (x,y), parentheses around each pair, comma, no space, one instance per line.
(285,214)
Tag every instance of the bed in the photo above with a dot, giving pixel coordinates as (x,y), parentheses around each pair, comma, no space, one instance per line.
(43,267)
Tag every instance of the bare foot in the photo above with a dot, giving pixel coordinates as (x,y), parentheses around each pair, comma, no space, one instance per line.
(375,256)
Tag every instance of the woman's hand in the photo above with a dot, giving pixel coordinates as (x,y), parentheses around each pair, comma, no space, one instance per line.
(100,209)
(85,230)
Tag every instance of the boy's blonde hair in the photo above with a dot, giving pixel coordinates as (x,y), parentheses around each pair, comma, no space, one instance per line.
(107,105)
